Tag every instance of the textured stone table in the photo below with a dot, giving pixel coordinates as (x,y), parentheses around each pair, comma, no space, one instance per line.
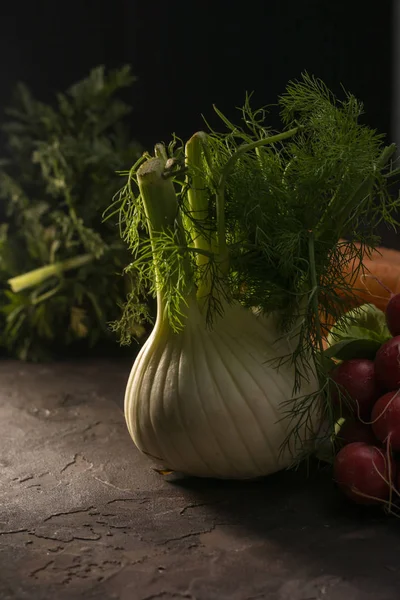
(84,515)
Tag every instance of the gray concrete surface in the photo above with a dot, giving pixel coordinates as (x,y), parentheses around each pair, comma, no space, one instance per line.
(84,515)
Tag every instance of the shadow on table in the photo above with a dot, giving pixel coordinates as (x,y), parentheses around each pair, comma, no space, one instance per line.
(304,515)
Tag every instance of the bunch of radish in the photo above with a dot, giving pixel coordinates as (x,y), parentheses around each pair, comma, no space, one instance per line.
(367,392)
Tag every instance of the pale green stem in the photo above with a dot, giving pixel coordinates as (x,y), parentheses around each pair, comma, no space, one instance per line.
(161,208)
(204,241)
(37,276)
(158,195)
(197,196)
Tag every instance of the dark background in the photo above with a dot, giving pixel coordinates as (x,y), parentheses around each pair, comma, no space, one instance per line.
(189,55)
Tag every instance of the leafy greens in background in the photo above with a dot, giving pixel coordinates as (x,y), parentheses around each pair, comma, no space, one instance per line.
(60,263)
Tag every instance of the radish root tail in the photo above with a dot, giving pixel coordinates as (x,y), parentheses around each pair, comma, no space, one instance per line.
(362,279)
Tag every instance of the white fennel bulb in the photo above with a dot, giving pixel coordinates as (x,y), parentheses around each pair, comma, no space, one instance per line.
(226,223)
(208,403)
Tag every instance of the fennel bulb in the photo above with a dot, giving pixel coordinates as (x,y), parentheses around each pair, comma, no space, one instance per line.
(227,223)
(206,403)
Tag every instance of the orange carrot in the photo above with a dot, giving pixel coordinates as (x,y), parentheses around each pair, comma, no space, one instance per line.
(379,278)
(386,255)
(377,281)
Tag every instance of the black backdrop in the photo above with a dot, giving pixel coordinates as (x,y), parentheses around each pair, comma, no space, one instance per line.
(189,55)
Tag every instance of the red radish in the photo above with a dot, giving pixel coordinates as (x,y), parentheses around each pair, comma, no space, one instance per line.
(387,364)
(386,419)
(392,313)
(355,431)
(361,472)
(356,380)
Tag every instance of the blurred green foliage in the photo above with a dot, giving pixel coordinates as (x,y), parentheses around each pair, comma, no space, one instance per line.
(58,175)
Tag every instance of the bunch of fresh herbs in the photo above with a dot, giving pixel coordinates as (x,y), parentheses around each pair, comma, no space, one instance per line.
(60,263)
